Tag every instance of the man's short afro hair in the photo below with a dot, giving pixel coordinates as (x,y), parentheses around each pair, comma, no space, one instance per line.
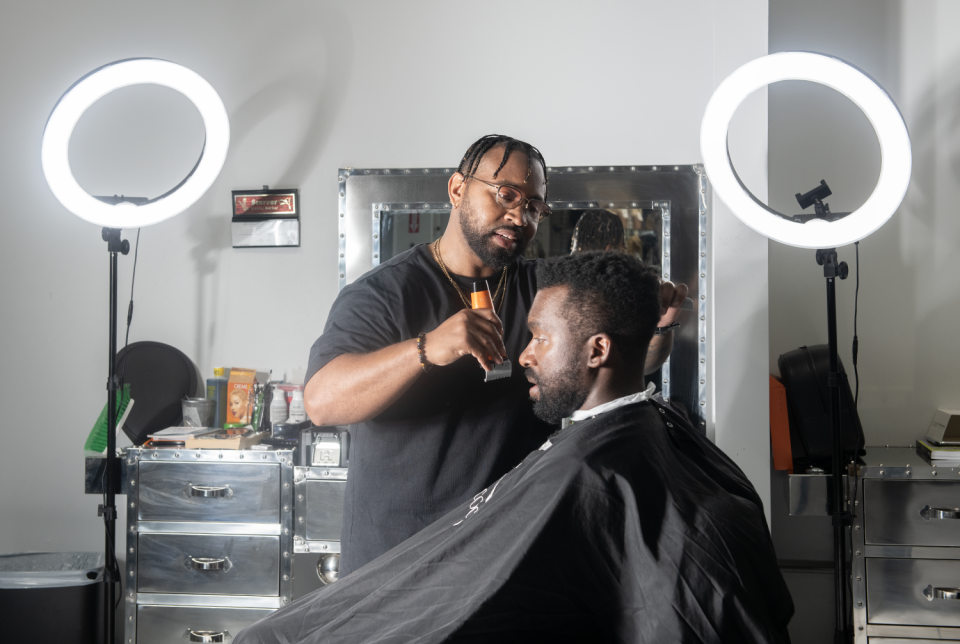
(609,292)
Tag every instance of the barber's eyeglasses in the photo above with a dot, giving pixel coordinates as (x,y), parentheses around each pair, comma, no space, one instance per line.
(510,197)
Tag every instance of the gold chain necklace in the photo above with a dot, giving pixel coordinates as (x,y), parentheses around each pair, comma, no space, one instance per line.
(463,298)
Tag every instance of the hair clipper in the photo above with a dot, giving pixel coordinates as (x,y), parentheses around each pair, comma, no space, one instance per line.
(480,299)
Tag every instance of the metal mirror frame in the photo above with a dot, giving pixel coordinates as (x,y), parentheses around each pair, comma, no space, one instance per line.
(680,192)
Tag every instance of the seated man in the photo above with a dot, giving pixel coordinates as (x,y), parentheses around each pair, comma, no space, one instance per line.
(627,526)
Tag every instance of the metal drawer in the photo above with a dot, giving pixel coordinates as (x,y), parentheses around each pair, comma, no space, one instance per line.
(324,510)
(209,492)
(904,591)
(912,513)
(207,564)
(173,624)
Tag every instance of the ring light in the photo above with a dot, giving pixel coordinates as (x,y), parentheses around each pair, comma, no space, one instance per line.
(879,108)
(100,82)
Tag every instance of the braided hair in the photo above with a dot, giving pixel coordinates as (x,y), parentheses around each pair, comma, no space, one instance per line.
(597,230)
(473,156)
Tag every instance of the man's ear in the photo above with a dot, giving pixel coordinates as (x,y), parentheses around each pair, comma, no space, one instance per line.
(455,189)
(599,347)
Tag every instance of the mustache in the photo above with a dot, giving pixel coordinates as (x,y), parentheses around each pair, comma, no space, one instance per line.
(531,376)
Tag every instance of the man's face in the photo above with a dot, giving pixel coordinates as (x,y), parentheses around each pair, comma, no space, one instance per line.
(554,360)
(497,235)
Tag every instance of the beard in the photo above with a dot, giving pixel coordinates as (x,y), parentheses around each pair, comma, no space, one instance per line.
(482,245)
(561,393)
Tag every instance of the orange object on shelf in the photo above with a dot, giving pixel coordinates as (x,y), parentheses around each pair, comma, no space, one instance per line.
(780,427)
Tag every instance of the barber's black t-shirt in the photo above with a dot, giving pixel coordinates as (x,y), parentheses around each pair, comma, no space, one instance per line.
(451,433)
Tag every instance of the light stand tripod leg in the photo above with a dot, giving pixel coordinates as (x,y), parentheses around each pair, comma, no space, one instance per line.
(109,510)
(833,270)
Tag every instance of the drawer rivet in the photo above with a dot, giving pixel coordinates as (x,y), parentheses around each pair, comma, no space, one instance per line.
(300,519)
(908,472)
(858,577)
(934,472)
(134,482)
(177,455)
(859,628)
(286,599)
(197,454)
(286,577)
(131,573)
(286,554)
(131,549)
(286,485)
(287,531)
(155,455)
(241,457)
(130,618)
(858,553)
(856,527)
(219,455)
(300,497)
(324,546)
(132,505)
(881,472)
(286,507)
(264,457)
(859,603)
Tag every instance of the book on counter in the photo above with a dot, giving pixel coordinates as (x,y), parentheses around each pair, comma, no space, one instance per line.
(938,452)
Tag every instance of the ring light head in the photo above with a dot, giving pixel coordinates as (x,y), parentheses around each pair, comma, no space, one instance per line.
(879,108)
(87,91)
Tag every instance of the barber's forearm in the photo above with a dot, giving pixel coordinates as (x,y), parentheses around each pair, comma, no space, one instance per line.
(353,388)
(658,352)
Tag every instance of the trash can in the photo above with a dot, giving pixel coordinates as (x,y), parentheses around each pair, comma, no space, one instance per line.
(52,597)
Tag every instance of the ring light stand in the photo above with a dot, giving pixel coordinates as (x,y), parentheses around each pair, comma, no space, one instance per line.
(823,230)
(117,212)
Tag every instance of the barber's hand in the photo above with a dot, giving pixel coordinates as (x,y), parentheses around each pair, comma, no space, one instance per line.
(474,332)
(672,297)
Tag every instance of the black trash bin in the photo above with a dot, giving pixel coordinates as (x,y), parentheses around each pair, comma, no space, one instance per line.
(54,597)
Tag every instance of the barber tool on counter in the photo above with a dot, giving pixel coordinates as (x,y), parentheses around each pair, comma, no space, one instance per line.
(480,299)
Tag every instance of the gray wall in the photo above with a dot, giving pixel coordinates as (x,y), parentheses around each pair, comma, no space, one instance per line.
(310,87)
(909,291)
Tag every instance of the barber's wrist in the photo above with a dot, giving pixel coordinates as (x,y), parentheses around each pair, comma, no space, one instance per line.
(425,364)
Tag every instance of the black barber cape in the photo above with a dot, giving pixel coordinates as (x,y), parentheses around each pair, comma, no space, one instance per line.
(630,527)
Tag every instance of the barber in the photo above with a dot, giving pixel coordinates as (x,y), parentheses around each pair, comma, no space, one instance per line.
(428,432)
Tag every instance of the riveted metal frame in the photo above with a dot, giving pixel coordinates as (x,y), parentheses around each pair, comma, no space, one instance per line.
(366,194)
(301,476)
(285,529)
(704,188)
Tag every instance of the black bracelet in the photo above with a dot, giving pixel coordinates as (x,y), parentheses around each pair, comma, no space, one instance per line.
(421,343)
(661,330)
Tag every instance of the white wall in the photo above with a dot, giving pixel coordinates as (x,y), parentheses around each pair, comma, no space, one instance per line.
(311,86)
(909,291)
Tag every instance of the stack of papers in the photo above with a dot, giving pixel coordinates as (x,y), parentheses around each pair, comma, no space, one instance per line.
(181,433)
(938,452)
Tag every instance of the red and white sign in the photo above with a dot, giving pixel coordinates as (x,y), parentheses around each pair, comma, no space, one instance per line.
(265,204)
(414,222)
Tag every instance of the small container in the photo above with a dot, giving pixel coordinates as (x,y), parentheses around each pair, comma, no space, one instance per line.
(278,407)
(297,412)
(199,412)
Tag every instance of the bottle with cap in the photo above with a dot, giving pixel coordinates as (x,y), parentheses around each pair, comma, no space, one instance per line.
(297,412)
(278,406)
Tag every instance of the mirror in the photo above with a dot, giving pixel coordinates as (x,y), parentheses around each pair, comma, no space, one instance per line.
(384,212)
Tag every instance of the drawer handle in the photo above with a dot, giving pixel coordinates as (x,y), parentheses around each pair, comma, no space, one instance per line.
(939,513)
(932,593)
(206,636)
(206,563)
(209,492)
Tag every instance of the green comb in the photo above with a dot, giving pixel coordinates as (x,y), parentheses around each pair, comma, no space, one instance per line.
(97,440)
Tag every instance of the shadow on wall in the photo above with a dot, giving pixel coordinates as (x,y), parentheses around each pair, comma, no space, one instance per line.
(320,82)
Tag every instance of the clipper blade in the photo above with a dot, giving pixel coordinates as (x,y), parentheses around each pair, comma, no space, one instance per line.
(499,371)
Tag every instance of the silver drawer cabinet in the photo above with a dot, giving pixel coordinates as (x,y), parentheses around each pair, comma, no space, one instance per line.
(906,550)
(209,542)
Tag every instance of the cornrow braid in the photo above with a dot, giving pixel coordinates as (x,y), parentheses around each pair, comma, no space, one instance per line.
(471,160)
